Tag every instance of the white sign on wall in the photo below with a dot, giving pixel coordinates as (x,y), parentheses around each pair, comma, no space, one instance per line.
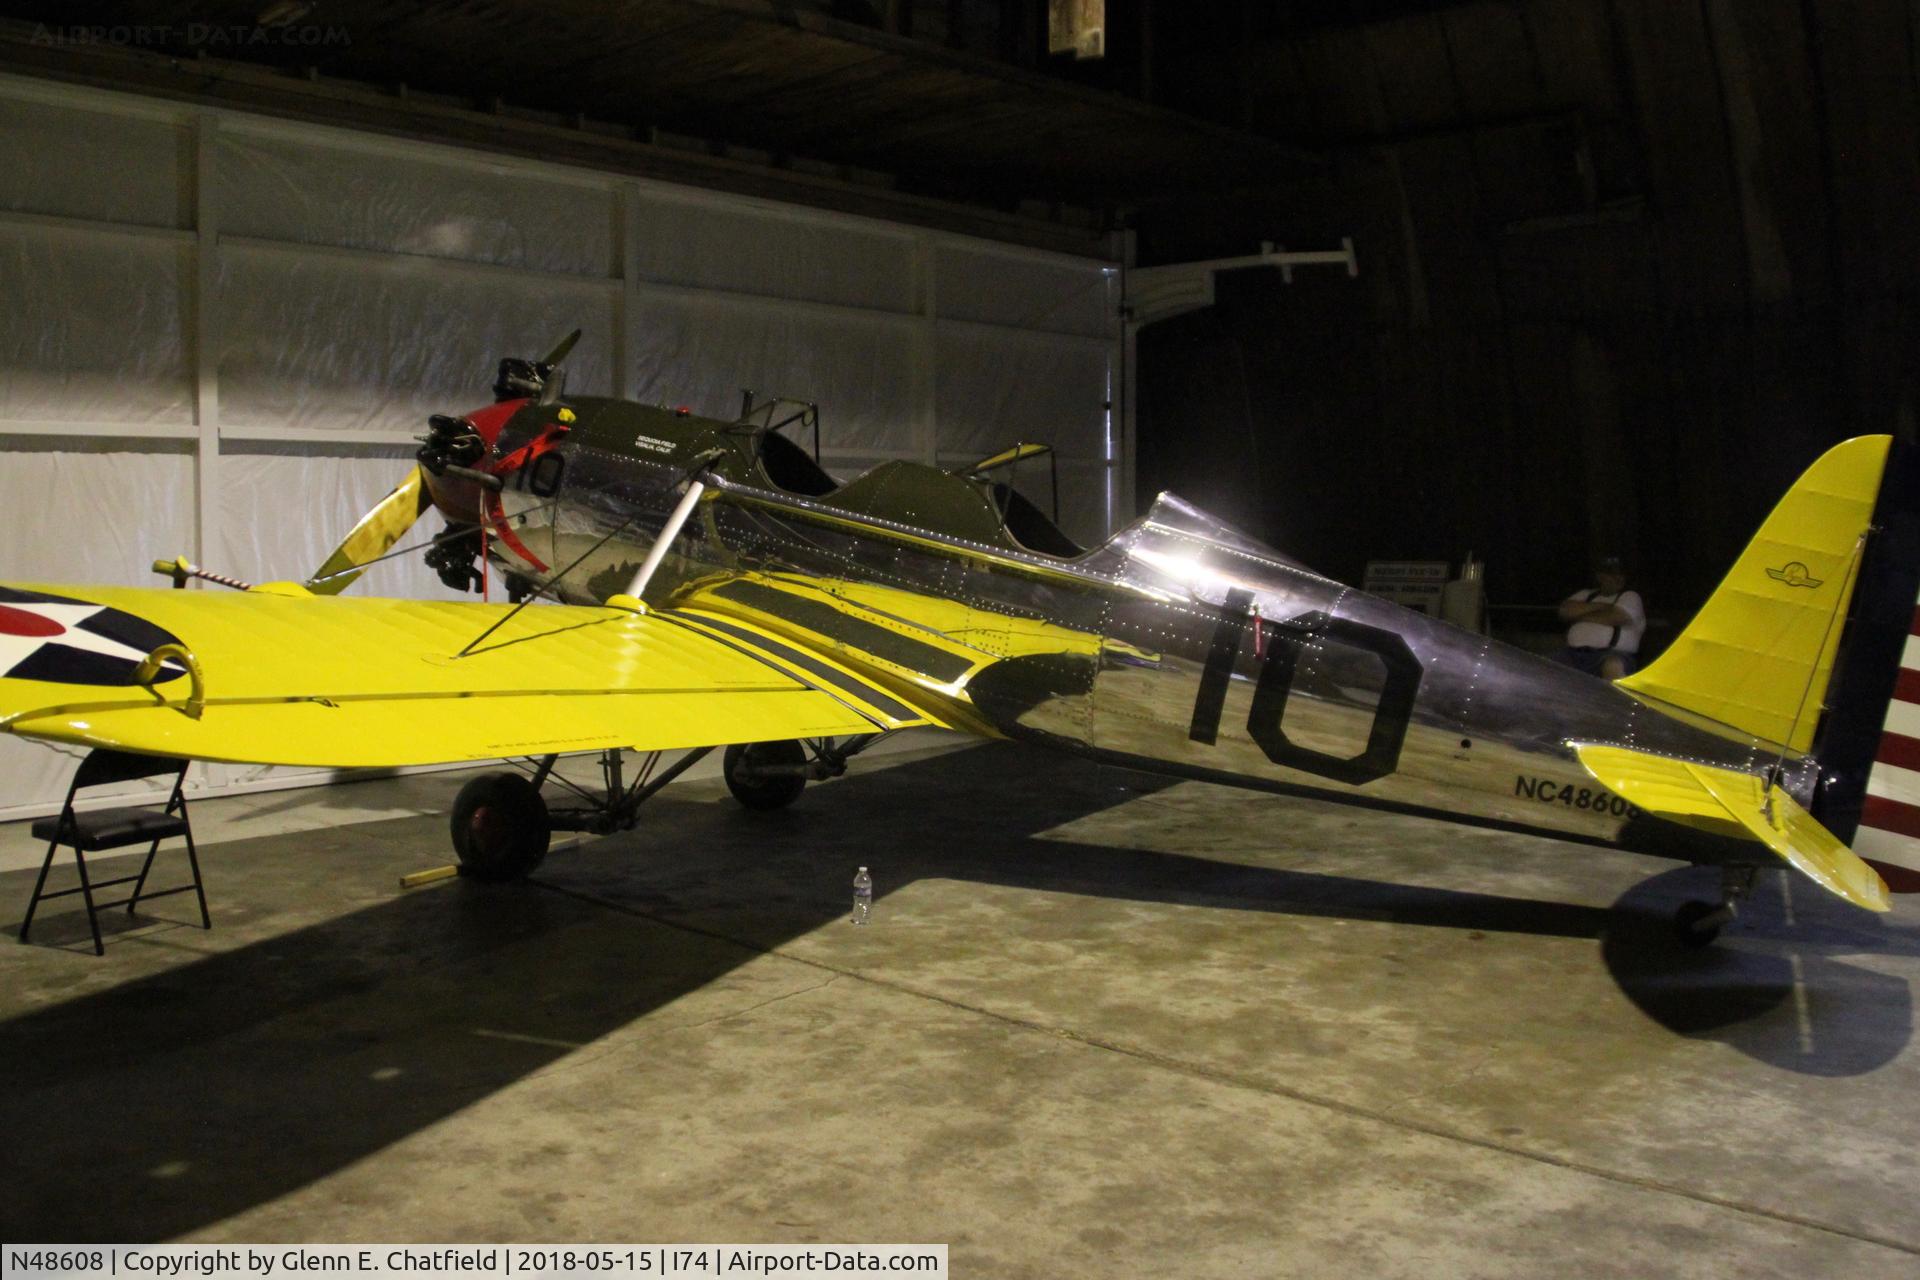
(1414,584)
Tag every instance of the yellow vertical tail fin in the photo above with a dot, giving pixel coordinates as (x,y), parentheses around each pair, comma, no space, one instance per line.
(1758,655)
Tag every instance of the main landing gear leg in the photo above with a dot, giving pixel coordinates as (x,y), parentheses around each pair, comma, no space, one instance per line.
(502,824)
(1698,924)
(771,775)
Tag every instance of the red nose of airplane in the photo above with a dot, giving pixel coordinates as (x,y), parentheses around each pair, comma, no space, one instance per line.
(458,497)
(492,420)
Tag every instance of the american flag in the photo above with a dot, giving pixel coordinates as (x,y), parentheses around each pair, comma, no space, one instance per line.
(1889,835)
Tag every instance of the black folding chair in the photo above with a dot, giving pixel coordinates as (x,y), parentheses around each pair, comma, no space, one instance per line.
(103,829)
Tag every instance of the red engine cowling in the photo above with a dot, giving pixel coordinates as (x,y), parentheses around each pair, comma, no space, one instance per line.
(470,442)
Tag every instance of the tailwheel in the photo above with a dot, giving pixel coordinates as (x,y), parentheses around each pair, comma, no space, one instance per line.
(765,775)
(1698,924)
(500,827)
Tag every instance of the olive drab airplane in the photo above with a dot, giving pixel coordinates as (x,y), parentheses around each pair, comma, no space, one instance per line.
(713,587)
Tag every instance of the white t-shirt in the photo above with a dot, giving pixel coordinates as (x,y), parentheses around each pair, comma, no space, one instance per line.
(1598,635)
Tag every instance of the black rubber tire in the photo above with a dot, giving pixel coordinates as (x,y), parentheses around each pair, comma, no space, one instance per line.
(500,827)
(764,794)
(1686,924)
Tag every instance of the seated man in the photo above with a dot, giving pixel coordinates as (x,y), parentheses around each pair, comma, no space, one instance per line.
(1605,623)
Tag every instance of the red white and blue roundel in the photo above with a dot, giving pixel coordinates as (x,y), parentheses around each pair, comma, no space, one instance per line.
(45,637)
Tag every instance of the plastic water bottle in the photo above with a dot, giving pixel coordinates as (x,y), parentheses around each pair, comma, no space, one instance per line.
(862,897)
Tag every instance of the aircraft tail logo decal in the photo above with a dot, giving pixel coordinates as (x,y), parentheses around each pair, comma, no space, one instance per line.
(1795,574)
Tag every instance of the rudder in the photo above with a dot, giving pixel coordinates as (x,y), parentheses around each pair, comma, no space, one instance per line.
(1869,746)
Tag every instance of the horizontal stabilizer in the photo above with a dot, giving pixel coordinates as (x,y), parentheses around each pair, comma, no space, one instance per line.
(1736,803)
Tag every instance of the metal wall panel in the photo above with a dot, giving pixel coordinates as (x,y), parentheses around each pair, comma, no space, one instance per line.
(223,328)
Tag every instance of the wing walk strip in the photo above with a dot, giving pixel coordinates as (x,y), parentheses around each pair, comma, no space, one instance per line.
(852,691)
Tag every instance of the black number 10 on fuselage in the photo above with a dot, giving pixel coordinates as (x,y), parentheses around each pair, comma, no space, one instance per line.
(1282,643)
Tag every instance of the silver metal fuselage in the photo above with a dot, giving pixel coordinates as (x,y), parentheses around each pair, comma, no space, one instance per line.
(1179,646)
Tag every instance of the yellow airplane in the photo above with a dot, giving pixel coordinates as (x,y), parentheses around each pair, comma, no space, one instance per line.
(712,586)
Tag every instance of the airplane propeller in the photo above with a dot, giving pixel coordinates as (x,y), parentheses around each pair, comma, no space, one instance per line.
(375,535)
(533,379)
(452,444)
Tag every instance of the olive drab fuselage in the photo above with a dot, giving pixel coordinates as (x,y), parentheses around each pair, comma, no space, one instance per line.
(1179,645)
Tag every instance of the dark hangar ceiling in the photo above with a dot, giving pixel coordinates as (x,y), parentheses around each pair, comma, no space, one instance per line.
(735,73)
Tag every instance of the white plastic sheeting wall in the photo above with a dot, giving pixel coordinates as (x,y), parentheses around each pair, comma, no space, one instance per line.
(221,331)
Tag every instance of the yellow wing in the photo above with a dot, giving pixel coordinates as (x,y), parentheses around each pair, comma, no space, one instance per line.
(1728,802)
(281,676)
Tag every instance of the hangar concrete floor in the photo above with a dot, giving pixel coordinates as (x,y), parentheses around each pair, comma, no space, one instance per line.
(1101,1025)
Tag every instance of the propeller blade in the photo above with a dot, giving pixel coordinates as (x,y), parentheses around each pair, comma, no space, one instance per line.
(374,536)
(1005,458)
(560,350)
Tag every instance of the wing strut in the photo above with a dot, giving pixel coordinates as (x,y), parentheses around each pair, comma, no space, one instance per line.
(668,532)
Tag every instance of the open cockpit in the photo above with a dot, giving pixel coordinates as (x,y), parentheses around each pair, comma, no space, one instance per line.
(970,502)
(791,469)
